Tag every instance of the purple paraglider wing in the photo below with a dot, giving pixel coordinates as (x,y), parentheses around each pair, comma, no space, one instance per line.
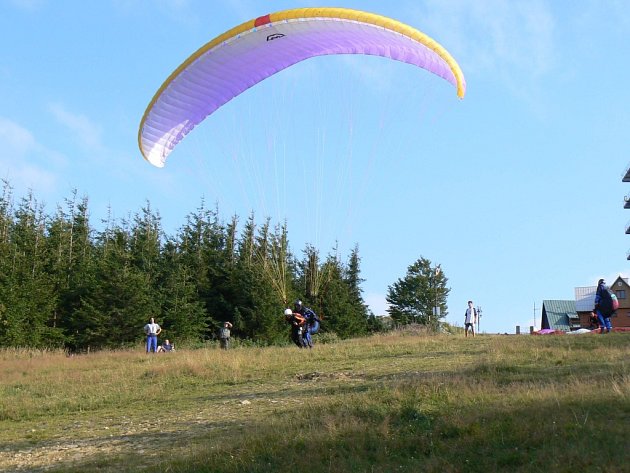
(257,49)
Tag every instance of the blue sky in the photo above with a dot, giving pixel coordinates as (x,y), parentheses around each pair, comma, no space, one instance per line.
(516,190)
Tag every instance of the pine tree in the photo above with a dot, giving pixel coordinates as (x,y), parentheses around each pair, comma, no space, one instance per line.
(124,300)
(71,263)
(184,315)
(258,282)
(353,280)
(202,242)
(413,297)
(27,291)
(341,304)
(6,262)
(62,283)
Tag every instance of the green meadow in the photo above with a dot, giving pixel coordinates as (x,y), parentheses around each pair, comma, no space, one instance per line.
(402,402)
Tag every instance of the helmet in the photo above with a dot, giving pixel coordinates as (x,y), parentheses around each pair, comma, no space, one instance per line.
(298,304)
(288,312)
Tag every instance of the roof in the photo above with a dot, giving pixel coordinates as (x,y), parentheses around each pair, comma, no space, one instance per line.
(619,283)
(559,314)
(585,298)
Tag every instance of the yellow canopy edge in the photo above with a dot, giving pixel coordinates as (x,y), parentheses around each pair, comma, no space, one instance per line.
(324,12)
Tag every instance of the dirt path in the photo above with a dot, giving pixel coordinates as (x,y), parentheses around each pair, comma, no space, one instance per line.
(175,432)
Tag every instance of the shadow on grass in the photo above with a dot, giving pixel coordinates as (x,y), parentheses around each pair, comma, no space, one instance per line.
(403,437)
(391,429)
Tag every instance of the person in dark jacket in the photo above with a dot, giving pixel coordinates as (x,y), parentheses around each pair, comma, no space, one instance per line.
(312,322)
(603,315)
(166,347)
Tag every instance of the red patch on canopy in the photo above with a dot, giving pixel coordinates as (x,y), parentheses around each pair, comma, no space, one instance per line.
(262,20)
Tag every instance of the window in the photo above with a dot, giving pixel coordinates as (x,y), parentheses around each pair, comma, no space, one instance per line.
(621,294)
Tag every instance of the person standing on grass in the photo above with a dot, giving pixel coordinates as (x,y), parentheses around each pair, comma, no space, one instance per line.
(470,319)
(224,335)
(152,330)
(311,325)
(603,306)
(297,323)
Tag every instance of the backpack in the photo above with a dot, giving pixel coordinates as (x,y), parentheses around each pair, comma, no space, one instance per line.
(615,302)
(608,302)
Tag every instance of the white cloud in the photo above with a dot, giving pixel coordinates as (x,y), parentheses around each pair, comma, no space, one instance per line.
(29,176)
(176,4)
(86,133)
(511,39)
(614,13)
(19,156)
(16,139)
(242,8)
(28,5)
(170,5)
(180,11)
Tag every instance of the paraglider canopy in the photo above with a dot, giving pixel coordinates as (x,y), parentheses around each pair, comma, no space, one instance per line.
(249,53)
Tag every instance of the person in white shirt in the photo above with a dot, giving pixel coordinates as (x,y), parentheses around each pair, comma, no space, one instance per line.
(152,330)
(471,319)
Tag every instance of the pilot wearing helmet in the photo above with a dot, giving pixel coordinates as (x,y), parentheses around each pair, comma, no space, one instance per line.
(298,325)
(311,324)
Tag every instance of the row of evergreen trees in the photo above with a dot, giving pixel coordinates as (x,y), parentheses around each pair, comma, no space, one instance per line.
(65,284)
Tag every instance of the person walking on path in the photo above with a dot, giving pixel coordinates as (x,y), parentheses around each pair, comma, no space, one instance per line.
(152,330)
(471,319)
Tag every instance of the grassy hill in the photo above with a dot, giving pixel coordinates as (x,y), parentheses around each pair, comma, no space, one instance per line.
(395,403)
